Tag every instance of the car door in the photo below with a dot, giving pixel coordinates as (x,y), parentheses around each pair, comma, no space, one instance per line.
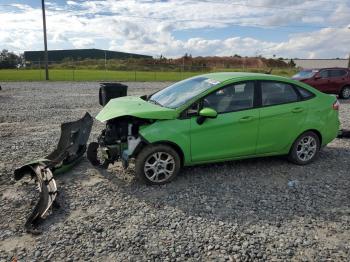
(337,79)
(234,131)
(321,81)
(282,115)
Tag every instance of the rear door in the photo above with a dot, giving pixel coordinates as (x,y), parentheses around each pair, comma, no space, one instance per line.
(282,115)
(337,79)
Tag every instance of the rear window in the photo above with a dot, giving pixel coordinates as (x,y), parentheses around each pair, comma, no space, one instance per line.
(305,94)
(333,73)
(275,93)
(337,73)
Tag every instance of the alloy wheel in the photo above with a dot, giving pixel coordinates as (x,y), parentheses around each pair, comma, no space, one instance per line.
(159,167)
(346,92)
(306,148)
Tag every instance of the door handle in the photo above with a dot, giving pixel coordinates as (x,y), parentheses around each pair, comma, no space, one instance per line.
(297,110)
(246,119)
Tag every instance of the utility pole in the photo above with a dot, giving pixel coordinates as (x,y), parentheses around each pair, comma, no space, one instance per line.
(105,60)
(349,53)
(46,57)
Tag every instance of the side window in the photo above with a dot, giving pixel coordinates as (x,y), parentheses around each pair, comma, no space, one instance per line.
(231,98)
(324,74)
(274,93)
(193,110)
(305,94)
(337,73)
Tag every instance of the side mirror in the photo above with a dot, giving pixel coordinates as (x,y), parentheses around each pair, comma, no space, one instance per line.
(317,76)
(206,113)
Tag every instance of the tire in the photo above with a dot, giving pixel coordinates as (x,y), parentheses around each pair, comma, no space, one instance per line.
(345,92)
(305,149)
(157,164)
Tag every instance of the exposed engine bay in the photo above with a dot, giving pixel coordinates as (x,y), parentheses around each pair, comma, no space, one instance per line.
(120,140)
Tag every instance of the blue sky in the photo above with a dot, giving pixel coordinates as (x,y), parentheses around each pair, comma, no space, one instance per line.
(290,28)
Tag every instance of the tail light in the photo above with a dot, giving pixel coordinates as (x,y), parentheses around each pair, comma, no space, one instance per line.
(336,105)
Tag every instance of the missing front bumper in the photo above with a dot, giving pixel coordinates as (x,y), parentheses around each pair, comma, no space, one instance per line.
(70,149)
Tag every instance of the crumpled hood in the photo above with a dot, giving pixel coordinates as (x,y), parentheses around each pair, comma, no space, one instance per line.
(134,106)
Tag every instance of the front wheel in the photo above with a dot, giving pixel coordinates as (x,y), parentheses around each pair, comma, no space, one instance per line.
(305,149)
(345,92)
(157,164)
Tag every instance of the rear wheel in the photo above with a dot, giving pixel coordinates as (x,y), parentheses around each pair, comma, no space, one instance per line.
(345,92)
(157,164)
(305,149)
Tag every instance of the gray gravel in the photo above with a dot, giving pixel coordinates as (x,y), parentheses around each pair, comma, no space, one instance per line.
(259,209)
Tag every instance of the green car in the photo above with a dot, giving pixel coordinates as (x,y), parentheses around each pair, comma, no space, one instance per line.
(212,118)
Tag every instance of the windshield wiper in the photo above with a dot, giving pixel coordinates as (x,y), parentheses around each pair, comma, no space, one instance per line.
(155,102)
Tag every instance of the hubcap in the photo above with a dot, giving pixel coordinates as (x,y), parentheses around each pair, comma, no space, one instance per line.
(306,148)
(159,167)
(346,92)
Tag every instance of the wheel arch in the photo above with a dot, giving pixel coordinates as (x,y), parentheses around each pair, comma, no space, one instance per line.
(318,133)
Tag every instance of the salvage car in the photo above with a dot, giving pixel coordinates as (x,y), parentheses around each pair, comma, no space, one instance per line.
(212,118)
(328,80)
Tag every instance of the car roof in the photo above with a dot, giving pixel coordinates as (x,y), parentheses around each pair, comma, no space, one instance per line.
(225,76)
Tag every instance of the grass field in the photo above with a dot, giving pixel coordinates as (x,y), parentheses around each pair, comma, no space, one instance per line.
(101,75)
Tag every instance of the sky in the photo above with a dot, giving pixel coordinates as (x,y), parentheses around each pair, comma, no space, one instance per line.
(271,28)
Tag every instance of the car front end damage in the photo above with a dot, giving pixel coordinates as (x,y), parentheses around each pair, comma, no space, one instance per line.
(123,116)
(119,141)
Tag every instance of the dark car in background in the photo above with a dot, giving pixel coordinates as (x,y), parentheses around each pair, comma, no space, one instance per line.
(328,80)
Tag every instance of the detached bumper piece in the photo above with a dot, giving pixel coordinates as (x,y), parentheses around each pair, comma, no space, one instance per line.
(344,133)
(70,149)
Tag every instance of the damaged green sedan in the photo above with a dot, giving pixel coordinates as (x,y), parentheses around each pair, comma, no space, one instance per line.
(215,117)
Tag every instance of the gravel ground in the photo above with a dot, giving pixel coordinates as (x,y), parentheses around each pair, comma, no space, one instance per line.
(236,211)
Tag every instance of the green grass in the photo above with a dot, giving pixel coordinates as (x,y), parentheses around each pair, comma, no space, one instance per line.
(101,75)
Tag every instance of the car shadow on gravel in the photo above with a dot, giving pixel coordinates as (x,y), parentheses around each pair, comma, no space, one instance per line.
(262,189)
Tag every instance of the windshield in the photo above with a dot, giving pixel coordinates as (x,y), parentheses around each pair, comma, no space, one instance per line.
(179,93)
(305,74)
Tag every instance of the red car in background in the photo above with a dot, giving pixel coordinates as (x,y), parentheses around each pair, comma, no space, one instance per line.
(328,80)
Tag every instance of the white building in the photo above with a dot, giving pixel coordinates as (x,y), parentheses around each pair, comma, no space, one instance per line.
(319,63)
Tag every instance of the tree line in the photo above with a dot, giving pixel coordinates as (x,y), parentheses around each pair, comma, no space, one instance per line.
(10,60)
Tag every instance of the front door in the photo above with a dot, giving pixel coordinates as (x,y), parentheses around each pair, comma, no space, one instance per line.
(322,82)
(234,131)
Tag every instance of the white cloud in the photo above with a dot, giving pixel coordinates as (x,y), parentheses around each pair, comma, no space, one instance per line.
(82,42)
(148,27)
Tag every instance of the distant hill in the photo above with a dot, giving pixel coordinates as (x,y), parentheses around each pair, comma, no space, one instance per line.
(229,62)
